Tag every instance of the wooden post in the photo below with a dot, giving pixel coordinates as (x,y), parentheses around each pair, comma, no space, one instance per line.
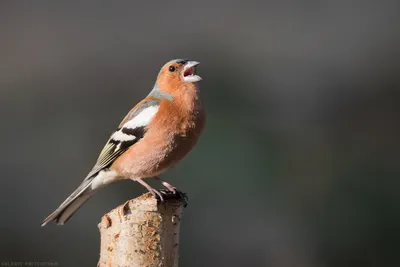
(142,232)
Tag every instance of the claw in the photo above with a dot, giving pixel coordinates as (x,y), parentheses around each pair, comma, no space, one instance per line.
(156,194)
(167,185)
(159,194)
(170,187)
(153,191)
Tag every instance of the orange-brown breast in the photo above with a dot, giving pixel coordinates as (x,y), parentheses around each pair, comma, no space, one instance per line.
(171,134)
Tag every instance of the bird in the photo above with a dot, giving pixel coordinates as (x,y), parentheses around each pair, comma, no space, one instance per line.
(153,137)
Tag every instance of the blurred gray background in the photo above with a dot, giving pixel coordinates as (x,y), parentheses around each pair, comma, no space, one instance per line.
(299,161)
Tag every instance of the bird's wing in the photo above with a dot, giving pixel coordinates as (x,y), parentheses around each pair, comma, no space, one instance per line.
(129,132)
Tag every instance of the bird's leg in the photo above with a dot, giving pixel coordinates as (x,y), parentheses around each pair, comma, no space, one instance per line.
(167,185)
(151,189)
(174,190)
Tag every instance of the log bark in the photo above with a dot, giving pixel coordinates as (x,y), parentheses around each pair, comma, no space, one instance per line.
(142,232)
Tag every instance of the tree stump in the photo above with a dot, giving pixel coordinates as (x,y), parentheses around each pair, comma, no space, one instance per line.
(142,232)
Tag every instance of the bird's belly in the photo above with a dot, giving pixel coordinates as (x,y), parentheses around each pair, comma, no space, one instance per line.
(179,149)
(141,162)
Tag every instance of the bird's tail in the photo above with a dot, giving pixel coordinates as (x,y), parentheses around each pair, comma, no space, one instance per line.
(71,204)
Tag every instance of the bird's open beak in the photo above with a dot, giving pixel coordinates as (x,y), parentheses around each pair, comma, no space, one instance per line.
(189,72)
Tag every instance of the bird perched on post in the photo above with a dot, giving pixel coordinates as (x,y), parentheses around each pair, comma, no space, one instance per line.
(156,134)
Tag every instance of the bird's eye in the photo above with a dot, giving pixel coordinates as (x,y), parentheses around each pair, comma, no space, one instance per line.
(171,68)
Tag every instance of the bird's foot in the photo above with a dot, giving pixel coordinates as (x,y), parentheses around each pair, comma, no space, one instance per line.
(153,191)
(171,192)
(157,194)
(171,188)
(179,195)
(167,185)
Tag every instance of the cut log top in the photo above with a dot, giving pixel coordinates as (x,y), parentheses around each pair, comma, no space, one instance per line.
(142,232)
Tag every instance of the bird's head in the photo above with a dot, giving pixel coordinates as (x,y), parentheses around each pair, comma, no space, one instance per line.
(178,72)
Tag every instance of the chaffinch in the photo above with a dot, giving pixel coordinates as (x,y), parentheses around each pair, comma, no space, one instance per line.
(156,134)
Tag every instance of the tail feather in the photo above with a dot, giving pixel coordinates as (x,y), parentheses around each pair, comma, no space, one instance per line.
(64,212)
(88,187)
